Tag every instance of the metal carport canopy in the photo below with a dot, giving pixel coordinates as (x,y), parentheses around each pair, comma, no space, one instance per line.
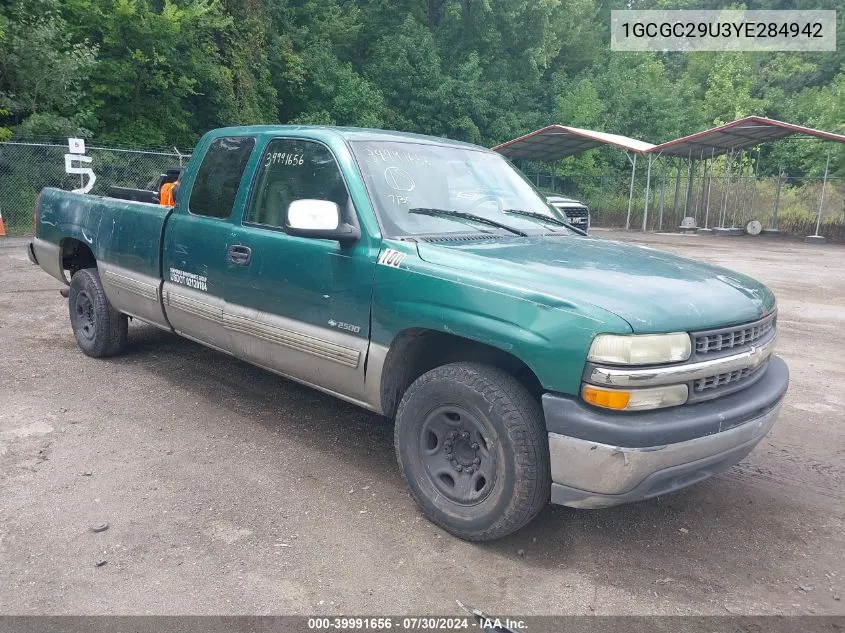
(557,141)
(736,135)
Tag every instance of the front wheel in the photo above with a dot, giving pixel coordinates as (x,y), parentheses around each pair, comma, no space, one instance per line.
(100,330)
(473,448)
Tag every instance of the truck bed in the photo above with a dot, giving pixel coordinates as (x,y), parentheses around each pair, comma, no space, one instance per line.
(123,233)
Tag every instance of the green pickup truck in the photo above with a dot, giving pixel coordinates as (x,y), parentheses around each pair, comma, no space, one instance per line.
(428,281)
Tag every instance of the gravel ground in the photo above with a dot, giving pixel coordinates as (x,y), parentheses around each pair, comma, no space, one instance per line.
(228,490)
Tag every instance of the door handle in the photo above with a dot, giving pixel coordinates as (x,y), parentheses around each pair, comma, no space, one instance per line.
(239,255)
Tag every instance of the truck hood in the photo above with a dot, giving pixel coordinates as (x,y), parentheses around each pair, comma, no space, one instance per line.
(652,290)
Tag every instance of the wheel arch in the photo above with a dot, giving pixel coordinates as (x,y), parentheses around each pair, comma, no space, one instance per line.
(76,255)
(415,351)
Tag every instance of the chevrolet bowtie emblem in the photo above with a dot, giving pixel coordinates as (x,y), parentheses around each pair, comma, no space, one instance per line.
(756,356)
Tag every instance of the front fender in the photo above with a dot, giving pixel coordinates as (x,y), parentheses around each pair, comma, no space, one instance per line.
(550,336)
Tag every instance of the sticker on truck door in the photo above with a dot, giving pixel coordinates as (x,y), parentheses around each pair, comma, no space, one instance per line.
(190,280)
(391,258)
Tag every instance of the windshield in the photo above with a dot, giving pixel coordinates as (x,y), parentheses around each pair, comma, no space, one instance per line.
(421,189)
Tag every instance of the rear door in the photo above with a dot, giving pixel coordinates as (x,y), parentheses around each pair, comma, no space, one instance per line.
(198,239)
(300,306)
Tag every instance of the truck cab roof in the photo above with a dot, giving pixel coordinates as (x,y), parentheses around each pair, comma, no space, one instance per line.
(344,133)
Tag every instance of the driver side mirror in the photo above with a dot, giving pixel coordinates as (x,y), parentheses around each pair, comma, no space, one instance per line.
(319,219)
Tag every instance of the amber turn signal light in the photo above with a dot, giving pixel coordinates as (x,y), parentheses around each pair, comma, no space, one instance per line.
(604,398)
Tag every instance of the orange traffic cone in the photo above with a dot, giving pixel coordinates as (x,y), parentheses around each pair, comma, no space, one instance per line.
(2,225)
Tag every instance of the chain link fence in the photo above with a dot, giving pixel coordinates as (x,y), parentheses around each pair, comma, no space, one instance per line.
(26,168)
(786,203)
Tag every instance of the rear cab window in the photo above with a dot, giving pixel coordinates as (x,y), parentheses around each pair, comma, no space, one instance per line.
(219,176)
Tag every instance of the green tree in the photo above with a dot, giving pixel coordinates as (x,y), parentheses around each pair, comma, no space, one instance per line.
(162,72)
(406,67)
(42,70)
(336,94)
(729,90)
(578,104)
(639,99)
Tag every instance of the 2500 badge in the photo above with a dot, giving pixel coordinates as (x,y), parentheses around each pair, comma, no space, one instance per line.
(349,327)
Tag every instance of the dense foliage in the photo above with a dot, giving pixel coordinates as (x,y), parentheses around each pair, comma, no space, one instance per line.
(161,72)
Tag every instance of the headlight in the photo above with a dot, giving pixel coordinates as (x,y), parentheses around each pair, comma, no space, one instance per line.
(635,399)
(640,349)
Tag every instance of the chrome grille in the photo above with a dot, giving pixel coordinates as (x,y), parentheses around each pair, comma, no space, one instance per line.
(720,380)
(575,212)
(736,336)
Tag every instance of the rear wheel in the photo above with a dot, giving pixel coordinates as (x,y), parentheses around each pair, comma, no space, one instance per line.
(473,447)
(100,330)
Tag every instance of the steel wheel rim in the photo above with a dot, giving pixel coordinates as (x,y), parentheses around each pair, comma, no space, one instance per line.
(458,454)
(84,310)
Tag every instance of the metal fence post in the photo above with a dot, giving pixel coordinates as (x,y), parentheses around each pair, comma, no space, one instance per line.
(777,198)
(726,184)
(631,190)
(754,188)
(662,196)
(737,188)
(689,184)
(709,186)
(699,200)
(677,189)
(821,197)
(647,191)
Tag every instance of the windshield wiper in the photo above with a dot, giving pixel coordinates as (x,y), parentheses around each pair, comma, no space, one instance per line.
(466,216)
(537,216)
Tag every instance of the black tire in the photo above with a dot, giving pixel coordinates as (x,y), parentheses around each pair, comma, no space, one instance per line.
(473,448)
(100,330)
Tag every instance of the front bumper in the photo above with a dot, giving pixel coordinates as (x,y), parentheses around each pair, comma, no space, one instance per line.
(602,459)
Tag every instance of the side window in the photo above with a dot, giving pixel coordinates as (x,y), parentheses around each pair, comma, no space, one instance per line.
(293,169)
(219,176)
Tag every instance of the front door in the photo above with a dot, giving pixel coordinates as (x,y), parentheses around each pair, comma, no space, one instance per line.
(300,306)
(198,240)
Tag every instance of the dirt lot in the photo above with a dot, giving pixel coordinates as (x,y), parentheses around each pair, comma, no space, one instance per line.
(228,490)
